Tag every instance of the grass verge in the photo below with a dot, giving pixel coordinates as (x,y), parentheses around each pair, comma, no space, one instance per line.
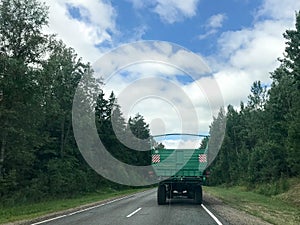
(34,210)
(278,209)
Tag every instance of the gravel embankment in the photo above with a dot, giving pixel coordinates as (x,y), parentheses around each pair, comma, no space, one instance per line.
(231,215)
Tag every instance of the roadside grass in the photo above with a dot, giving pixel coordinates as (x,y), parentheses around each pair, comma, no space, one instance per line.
(279,209)
(29,211)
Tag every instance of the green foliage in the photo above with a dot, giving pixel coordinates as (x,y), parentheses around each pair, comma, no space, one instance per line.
(140,129)
(21,23)
(262,141)
(273,188)
(39,75)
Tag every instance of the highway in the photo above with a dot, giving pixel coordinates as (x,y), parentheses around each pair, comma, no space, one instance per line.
(140,209)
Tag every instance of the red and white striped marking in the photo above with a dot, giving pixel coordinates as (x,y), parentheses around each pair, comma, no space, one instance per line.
(156,158)
(202,158)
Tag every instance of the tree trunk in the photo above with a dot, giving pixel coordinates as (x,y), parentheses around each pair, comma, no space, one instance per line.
(3,143)
(62,137)
(68,132)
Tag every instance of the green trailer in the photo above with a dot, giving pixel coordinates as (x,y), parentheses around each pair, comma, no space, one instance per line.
(181,172)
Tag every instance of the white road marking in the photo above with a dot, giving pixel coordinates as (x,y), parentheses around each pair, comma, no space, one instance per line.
(212,215)
(48,220)
(134,212)
(82,210)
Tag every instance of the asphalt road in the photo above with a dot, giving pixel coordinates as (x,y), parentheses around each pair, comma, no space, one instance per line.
(139,209)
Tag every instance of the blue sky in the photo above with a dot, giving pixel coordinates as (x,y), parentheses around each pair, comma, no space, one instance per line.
(198,31)
(187,30)
(240,40)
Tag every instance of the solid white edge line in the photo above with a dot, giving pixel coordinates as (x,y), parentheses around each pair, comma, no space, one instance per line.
(82,210)
(212,215)
(134,212)
(48,220)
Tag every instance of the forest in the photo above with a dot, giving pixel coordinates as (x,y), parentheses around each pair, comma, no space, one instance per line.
(39,158)
(262,139)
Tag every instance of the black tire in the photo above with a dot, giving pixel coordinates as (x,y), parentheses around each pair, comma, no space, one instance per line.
(198,194)
(161,195)
(169,195)
(191,195)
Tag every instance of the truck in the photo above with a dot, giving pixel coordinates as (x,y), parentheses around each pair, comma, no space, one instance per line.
(180,172)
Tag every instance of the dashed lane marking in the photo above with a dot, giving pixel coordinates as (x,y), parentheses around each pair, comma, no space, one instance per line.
(134,212)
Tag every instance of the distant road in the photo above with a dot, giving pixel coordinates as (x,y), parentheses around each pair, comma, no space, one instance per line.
(139,209)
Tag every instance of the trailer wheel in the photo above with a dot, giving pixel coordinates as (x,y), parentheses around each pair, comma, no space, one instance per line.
(161,195)
(169,195)
(198,194)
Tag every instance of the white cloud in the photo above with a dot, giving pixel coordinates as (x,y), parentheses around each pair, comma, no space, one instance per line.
(181,144)
(255,50)
(139,32)
(139,3)
(234,84)
(157,96)
(216,21)
(251,53)
(151,87)
(84,35)
(244,55)
(207,34)
(170,11)
(155,51)
(213,24)
(278,9)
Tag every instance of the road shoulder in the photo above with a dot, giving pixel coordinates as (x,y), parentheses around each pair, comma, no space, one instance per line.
(231,215)
(76,209)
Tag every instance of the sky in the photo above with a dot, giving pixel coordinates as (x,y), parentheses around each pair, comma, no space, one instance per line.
(239,41)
